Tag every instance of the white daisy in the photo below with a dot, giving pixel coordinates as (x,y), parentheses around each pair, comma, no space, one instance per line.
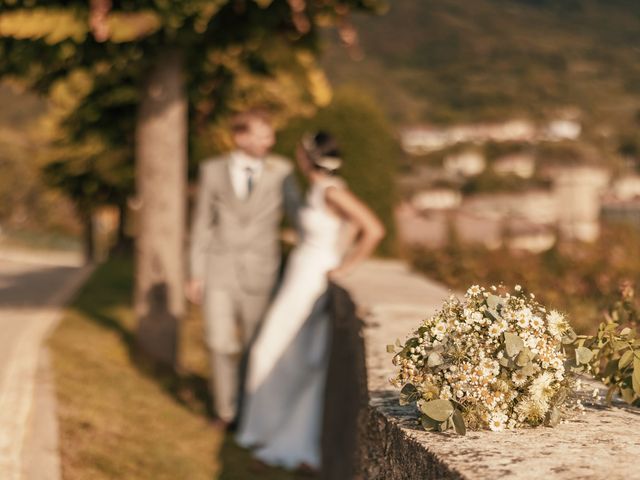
(498,421)
(532,410)
(540,388)
(474,290)
(557,324)
(522,318)
(537,323)
(495,330)
(531,342)
(556,364)
(518,378)
(440,329)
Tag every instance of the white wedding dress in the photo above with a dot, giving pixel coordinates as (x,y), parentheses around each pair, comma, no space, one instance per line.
(284,390)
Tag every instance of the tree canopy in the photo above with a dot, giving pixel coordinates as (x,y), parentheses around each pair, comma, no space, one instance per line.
(90,58)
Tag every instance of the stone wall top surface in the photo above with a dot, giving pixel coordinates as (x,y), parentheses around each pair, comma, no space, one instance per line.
(604,442)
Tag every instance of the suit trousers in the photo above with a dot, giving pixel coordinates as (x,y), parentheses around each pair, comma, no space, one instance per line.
(232,318)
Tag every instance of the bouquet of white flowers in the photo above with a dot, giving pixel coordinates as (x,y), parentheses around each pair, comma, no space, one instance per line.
(495,360)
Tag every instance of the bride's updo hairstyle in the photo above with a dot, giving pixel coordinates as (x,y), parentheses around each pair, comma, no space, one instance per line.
(322,149)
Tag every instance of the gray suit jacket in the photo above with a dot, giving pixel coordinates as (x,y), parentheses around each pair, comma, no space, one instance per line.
(234,242)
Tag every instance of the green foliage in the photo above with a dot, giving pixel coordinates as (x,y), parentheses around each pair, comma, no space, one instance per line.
(27,206)
(409,394)
(91,66)
(440,416)
(438,410)
(580,279)
(369,149)
(458,61)
(613,353)
(513,344)
(491,182)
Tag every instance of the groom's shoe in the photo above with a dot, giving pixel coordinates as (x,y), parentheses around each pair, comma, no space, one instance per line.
(223,425)
(232,426)
(305,470)
(220,424)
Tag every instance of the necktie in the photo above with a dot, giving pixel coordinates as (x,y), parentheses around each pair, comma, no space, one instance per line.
(249,173)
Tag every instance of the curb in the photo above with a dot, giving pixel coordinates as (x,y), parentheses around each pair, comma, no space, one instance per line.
(20,392)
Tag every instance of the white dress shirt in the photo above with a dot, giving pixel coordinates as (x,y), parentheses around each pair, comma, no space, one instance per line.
(241,168)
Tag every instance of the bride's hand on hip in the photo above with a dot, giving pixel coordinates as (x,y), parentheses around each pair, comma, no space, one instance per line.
(337,274)
(194,291)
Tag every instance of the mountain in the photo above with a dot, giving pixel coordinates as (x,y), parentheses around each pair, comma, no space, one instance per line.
(459,61)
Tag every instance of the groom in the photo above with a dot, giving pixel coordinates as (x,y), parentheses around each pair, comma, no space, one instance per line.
(235,248)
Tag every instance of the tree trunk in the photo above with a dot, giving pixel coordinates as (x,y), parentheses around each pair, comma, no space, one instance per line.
(123,245)
(161,164)
(88,240)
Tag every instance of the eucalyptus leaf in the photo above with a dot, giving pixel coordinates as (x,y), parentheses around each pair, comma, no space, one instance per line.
(636,375)
(528,370)
(522,360)
(494,301)
(505,362)
(458,423)
(524,357)
(583,355)
(553,417)
(569,337)
(513,344)
(611,368)
(429,424)
(434,359)
(610,327)
(610,391)
(409,394)
(494,314)
(619,345)
(450,424)
(625,359)
(627,394)
(439,410)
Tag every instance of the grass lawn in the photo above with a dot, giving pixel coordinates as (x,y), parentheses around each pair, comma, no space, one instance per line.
(118,420)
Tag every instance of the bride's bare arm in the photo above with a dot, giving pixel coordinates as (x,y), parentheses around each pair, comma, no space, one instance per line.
(370,230)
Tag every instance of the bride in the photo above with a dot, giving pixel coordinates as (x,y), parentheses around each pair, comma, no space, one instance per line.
(283,400)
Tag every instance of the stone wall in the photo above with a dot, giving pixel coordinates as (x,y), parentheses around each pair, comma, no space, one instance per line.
(389,300)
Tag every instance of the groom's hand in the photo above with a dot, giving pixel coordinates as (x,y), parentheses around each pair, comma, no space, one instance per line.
(193,291)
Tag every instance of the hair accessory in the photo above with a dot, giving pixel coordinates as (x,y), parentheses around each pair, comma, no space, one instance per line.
(326,162)
(329,163)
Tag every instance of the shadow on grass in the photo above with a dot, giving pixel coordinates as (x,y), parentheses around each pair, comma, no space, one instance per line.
(238,464)
(112,309)
(106,300)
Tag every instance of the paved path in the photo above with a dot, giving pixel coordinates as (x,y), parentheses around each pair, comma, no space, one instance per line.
(32,290)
